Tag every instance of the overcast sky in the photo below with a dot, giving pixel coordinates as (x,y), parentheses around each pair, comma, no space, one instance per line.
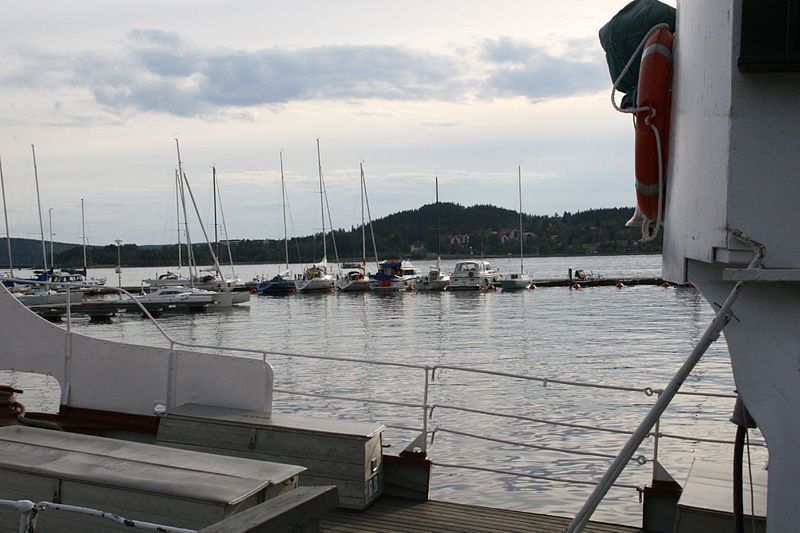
(463,90)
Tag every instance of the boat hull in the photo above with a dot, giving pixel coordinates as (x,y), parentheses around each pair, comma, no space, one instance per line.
(325,284)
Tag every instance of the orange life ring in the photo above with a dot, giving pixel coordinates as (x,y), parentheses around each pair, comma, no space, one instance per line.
(654,94)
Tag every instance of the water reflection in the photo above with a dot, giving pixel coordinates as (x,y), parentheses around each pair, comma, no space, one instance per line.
(636,336)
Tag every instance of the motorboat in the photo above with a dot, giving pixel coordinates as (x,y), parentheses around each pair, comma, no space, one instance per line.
(44,296)
(282,283)
(354,279)
(180,295)
(434,280)
(474,275)
(315,279)
(393,275)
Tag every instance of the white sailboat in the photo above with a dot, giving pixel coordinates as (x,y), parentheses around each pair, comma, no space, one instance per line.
(521,280)
(42,293)
(355,278)
(435,280)
(282,283)
(316,277)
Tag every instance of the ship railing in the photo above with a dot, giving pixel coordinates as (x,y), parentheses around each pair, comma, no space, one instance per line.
(426,407)
(30,511)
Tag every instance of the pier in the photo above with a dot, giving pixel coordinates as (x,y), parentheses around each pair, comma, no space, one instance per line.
(104,310)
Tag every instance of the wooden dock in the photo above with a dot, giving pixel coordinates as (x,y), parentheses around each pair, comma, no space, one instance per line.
(597,282)
(400,515)
(104,310)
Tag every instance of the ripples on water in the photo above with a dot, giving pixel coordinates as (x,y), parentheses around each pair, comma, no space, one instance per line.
(636,337)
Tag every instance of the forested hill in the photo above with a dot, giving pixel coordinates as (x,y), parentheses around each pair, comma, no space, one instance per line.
(480,230)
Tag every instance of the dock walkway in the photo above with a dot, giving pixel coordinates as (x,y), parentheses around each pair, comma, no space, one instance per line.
(400,515)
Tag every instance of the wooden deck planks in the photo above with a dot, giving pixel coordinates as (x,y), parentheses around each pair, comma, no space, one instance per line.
(399,515)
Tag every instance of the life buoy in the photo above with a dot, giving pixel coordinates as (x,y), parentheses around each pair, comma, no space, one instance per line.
(652,123)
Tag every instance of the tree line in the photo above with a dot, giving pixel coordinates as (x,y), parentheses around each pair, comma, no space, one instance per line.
(479,230)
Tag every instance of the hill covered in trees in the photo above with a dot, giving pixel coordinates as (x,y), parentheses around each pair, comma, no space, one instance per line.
(480,230)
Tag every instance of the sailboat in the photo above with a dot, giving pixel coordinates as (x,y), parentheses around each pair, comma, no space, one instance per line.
(355,278)
(94,282)
(282,283)
(214,280)
(169,278)
(316,278)
(6,277)
(38,294)
(435,280)
(512,282)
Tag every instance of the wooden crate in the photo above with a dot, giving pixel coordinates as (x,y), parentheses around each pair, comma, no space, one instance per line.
(335,452)
(138,481)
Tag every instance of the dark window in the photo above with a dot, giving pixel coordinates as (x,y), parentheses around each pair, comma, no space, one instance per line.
(770,36)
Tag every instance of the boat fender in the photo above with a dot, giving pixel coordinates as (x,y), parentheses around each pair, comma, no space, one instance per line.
(653,107)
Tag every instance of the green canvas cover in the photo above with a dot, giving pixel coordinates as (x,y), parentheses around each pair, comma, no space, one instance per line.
(623,33)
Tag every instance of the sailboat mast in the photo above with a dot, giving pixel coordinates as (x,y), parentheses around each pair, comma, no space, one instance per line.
(5,215)
(322,205)
(369,218)
(283,203)
(39,204)
(438,236)
(214,192)
(225,232)
(189,251)
(521,240)
(83,235)
(363,227)
(178,215)
(205,234)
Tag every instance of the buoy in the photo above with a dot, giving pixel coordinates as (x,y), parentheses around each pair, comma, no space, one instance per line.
(532,286)
(575,286)
(619,285)
(653,121)
(666,285)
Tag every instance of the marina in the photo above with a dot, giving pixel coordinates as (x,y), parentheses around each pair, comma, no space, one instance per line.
(652,393)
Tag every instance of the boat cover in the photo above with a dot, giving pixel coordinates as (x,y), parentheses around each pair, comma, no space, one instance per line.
(621,36)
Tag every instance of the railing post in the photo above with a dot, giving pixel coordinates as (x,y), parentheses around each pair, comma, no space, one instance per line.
(656,435)
(171,375)
(425,411)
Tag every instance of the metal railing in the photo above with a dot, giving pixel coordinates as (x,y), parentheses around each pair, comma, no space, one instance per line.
(427,408)
(30,511)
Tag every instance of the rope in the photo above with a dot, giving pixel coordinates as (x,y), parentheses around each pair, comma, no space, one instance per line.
(348,398)
(530,476)
(640,459)
(628,66)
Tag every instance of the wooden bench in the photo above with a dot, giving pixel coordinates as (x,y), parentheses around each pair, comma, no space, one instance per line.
(297,511)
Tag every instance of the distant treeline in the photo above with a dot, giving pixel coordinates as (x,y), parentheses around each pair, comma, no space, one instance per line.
(481,230)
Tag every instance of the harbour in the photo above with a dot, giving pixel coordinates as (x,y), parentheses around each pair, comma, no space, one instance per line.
(602,335)
(641,392)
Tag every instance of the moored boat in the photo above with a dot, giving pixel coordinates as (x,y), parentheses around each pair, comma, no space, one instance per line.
(474,275)
(393,275)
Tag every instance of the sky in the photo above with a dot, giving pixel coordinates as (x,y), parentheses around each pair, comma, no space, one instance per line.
(465,91)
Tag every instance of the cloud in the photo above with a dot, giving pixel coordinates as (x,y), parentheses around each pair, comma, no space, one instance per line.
(524,69)
(158,71)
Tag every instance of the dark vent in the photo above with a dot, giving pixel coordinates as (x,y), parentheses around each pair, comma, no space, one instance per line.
(770,36)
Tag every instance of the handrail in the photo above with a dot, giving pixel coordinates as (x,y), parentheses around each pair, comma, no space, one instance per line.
(711,334)
(30,511)
(428,409)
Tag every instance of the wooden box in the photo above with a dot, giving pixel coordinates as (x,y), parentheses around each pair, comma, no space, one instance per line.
(334,452)
(137,481)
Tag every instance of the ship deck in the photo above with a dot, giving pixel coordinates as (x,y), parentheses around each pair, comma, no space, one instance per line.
(400,515)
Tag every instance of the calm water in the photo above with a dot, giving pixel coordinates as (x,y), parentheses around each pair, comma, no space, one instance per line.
(636,336)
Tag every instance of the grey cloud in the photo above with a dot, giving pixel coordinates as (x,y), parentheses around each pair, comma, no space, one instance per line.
(157,71)
(523,69)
